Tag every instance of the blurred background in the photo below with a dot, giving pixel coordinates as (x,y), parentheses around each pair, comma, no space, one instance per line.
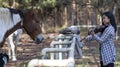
(55,15)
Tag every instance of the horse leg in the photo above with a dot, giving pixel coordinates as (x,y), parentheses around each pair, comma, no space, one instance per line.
(10,40)
(13,48)
(17,38)
(9,48)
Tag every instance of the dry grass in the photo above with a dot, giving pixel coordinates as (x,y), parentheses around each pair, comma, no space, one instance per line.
(90,53)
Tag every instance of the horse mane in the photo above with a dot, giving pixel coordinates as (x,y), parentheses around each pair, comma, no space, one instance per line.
(22,12)
(16,11)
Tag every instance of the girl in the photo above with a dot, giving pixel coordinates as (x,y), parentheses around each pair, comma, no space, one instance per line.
(106,40)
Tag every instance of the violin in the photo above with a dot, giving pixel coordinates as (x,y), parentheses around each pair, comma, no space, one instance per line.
(98,29)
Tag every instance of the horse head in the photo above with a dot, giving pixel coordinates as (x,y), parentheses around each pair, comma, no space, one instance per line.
(13,19)
(31,25)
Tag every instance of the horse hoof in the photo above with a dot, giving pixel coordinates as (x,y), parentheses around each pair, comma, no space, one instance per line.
(10,57)
(14,59)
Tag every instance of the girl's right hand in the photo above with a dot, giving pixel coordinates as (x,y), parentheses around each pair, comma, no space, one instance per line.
(82,39)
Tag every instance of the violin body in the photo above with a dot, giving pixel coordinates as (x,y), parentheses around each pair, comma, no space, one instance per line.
(98,29)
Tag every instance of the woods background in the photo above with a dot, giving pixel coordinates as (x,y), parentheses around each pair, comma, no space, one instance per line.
(57,14)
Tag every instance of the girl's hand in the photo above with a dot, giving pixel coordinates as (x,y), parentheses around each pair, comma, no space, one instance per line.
(82,39)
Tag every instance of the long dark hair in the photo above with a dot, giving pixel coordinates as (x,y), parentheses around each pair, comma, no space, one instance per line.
(112,19)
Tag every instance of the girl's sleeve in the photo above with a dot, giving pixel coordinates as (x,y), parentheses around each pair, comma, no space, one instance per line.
(89,38)
(108,31)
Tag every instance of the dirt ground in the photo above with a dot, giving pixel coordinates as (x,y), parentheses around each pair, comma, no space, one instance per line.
(28,50)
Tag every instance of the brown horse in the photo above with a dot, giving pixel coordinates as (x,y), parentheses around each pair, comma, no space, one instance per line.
(13,19)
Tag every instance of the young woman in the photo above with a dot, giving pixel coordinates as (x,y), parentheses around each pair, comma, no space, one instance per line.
(106,40)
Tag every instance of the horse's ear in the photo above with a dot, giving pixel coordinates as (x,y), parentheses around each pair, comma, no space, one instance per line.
(30,11)
(35,11)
